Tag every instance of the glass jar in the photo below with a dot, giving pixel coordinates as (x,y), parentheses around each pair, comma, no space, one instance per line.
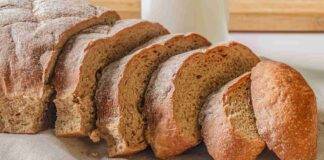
(206,17)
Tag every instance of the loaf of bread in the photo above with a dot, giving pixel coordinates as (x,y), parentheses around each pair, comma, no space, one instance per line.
(32,33)
(178,88)
(121,89)
(285,110)
(151,85)
(228,123)
(82,57)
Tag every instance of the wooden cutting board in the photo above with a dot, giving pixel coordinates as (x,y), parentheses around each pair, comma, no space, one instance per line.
(252,15)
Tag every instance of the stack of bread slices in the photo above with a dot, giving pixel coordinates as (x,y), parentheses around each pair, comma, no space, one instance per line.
(133,84)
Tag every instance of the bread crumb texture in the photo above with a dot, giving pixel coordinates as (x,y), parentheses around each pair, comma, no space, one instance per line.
(178,89)
(121,89)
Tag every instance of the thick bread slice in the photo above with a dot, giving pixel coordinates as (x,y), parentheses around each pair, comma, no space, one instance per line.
(228,124)
(285,110)
(178,88)
(32,33)
(121,89)
(82,57)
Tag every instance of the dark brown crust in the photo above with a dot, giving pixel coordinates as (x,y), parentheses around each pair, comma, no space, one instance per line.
(285,110)
(218,133)
(113,76)
(162,131)
(32,34)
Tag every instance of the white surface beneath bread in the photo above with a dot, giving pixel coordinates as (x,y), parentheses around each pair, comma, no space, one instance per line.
(46,146)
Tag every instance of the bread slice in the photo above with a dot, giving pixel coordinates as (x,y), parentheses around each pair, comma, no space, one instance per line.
(228,123)
(121,89)
(178,88)
(32,33)
(285,110)
(82,58)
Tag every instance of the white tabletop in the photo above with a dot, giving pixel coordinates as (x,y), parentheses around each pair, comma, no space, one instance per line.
(298,49)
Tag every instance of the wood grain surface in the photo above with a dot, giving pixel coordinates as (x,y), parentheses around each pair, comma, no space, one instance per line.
(252,15)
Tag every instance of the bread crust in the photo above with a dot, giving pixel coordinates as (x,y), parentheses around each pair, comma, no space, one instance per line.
(163,132)
(223,141)
(72,89)
(285,110)
(32,34)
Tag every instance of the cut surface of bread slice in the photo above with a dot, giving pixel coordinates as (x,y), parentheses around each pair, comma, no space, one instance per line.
(85,55)
(32,33)
(228,123)
(285,110)
(121,89)
(178,88)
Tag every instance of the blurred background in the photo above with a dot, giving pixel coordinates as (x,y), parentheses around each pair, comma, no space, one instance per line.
(287,30)
(251,15)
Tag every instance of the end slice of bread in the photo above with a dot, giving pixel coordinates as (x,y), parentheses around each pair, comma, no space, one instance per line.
(119,97)
(83,57)
(178,89)
(285,110)
(228,123)
(32,34)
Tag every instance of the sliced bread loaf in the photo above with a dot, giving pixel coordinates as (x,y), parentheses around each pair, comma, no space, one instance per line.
(82,57)
(285,110)
(178,88)
(32,33)
(228,123)
(121,89)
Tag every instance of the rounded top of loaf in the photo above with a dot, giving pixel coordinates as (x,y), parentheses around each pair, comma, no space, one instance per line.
(285,109)
(32,34)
